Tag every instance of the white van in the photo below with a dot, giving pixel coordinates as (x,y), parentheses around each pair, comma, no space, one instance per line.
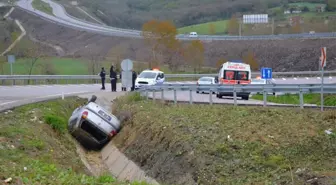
(234,73)
(193,34)
(149,77)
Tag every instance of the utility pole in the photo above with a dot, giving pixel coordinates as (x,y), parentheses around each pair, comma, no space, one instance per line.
(272,25)
(240,27)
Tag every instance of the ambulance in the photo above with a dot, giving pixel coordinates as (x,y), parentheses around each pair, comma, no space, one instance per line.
(234,72)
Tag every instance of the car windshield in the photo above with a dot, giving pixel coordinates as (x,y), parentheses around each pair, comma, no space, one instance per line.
(258,80)
(147,75)
(205,79)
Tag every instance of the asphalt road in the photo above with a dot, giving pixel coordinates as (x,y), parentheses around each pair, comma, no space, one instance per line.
(11,94)
(62,17)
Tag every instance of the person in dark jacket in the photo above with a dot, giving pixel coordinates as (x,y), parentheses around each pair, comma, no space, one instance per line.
(134,77)
(102,75)
(113,77)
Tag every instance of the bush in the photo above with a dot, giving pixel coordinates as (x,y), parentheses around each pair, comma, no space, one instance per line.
(56,122)
(134,97)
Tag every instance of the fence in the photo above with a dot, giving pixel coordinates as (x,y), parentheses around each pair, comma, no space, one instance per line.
(235,90)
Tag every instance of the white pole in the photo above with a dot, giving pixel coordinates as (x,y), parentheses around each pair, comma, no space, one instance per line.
(322,81)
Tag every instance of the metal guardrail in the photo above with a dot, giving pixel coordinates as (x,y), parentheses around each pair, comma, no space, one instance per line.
(236,89)
(96,78)
(254,74)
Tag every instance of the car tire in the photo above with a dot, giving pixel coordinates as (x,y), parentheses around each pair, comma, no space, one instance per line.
(93,98)
(197,92)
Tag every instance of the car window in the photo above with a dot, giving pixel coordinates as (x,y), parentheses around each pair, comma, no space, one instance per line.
(147,74)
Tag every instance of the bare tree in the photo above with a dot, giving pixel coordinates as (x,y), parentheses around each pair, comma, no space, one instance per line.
(48,68)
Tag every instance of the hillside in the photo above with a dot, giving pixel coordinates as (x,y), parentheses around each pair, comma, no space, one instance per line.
(133,13)
(281,55)
(218,144)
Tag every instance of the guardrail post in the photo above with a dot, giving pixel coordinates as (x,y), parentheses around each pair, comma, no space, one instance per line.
(146,94)
(190,96)
(153,95)
(210,97)
(265,97)
(301,99)
(234,96)
(13,82)
(162,94)
(56,81)
(175,98)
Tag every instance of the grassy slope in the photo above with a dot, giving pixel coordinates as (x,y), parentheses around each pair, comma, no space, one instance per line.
(71,66)
(220,28)
(221,25)
(32,152)
(179,144)
(329,100)
(42,6)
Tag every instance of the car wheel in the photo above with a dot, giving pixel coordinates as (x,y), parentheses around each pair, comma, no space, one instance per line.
(197,92)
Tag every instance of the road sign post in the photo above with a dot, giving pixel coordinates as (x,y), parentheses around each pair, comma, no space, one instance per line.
(11,60)
(266,73)
(323,60)
(126,74)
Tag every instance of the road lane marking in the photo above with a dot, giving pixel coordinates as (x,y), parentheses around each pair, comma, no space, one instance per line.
(47,96)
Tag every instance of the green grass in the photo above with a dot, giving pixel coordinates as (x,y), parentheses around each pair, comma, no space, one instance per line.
(266,145)
(34,151)
(220,28)
(42,6)
(62,66)
(329,99)
(71,66)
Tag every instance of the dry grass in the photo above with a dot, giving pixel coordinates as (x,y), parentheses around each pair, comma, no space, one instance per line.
(220,144)
(33,152)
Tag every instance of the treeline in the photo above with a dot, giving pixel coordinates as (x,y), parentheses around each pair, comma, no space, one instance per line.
(165,49)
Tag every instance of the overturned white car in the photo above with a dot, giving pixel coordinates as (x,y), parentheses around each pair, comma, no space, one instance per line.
(92,125)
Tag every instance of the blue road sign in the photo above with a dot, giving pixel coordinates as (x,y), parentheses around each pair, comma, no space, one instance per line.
(266,73)
(11,59)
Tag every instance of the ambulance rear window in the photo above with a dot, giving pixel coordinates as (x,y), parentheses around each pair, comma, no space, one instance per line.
(236,75)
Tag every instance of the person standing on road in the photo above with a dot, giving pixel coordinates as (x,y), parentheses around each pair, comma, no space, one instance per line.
(134,77)
(113,77)
(102,75)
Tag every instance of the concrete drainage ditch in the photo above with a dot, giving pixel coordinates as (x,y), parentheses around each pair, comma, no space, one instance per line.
(115,161)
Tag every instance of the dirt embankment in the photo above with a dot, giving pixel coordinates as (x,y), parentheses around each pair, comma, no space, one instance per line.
(281,55)
(203,144)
